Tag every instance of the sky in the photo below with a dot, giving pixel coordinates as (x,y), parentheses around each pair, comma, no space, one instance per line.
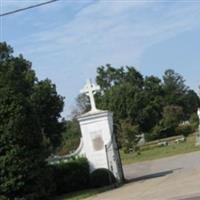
(67,40)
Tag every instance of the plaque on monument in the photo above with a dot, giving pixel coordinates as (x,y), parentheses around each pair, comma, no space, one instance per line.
(97,140)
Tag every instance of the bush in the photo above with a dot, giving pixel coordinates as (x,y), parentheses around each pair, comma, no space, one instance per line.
(130,136)
(194,121)
(102,177)
(159,132)
(184,129)
(71,176)
(3,197)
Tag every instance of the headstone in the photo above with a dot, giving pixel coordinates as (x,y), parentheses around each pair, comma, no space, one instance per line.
(142,140)
(98,137)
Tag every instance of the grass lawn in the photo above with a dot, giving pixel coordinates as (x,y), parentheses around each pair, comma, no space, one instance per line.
(160,152)
(84,193)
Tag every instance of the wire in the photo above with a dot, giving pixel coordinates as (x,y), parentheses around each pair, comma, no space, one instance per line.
(26,8)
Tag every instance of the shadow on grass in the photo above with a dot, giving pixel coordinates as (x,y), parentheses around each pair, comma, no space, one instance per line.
(151,176)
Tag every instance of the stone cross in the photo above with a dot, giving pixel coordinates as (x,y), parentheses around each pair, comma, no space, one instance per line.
(90,89)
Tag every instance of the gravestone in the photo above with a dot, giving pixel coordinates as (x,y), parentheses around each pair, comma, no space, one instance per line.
(99,144)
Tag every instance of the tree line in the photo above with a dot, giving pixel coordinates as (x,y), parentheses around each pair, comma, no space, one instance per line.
(149,105)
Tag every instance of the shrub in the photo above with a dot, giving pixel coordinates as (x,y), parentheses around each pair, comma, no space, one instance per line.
(71,176)
(102,177)
(194,121)
(130,136)
(184,129)
(159,132)
(3,197)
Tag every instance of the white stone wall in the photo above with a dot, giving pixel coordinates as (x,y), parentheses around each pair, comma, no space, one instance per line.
(96,133)
(100,146)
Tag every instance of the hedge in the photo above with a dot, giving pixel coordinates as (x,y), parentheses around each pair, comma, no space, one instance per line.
(102,177)
(71,176)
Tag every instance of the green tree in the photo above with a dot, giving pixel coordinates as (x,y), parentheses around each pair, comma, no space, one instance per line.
(190,104)
(172,117)
(82,105)
(22,148)
(108,76)
(22,153)
(130,135)
(174,86)
(121,93)
(70,137)
(120,90)
(48,105)
(177,93)
(153,101)
(156,106)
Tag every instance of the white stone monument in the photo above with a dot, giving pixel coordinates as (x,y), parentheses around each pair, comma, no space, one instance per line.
(98,142)
(99,145)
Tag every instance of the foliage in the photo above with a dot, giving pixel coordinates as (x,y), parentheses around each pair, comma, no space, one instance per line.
(184,129)
(130,135)
(190,104)
(151,112)
(22,153)
(177,93)
(48,105)
(70,137)
(22,139)
(174,87)
(155,106)
(71,176)
(194,121)
(82,105)
(82,194)
(102,177)
(172,116)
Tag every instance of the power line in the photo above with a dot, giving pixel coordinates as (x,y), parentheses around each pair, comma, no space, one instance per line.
(26,8)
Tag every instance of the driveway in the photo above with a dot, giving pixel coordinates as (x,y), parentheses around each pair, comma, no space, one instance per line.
(172,178)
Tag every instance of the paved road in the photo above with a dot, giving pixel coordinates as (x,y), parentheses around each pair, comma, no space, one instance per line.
(172,178)
(174,163)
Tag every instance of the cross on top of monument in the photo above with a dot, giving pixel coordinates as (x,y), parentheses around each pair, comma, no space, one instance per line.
(90,89)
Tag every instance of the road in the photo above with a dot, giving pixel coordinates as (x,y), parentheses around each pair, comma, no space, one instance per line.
(171,178)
